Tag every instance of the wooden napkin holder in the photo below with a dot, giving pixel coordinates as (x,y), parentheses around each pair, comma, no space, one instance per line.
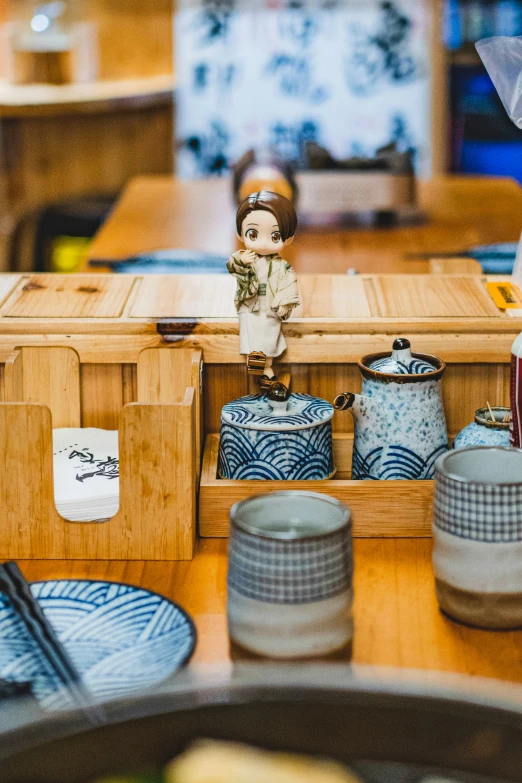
(159,459)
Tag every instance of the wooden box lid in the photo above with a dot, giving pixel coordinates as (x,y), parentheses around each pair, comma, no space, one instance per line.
(68,296)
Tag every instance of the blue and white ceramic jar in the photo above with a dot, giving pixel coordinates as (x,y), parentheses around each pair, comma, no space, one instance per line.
(276,440)
(400,426)
(483,431)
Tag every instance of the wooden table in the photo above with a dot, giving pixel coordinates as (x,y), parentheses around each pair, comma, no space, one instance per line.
(161,212)
(397,620)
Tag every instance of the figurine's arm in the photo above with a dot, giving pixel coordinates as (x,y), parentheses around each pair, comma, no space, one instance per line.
(285,311)
(240,263)
(287,295)
(247,283)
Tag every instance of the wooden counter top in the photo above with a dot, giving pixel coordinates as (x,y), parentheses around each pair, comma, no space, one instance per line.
(44,100)
(160,212)
(397,620)
(340,318)
(110,319)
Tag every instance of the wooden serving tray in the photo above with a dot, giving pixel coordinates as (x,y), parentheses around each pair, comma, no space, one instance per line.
(382,509)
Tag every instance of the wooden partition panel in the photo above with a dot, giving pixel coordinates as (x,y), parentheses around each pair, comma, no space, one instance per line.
(156,520)
(50,376)
(163,375)
(159,454)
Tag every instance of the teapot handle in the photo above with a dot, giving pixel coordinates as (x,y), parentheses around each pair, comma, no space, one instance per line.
(344,401)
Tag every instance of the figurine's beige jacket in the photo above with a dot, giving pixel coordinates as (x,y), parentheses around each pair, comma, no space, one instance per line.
(281,287)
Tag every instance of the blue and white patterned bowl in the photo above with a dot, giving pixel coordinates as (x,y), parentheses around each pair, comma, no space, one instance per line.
(261,440)
(121,638)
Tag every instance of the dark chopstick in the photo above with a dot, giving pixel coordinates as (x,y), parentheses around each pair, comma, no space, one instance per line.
(16,588)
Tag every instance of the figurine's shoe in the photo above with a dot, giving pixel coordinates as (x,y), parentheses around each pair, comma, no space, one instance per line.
(266,383)
(256,362)
(274,388)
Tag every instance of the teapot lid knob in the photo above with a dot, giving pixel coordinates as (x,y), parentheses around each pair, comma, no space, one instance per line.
(400,344)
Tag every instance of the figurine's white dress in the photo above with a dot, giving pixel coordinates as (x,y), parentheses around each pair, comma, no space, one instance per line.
(260,330)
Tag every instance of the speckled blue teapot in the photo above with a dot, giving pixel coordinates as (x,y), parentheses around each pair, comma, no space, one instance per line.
(400,426)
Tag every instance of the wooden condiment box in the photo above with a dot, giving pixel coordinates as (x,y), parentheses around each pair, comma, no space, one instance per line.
(110,377)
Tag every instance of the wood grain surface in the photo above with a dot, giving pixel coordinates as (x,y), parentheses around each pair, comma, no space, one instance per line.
(50,376)
(418,296)
(460,212)
(158,456)
(397,619)
(384,509)
(212,297)
(185,296)
(68,296)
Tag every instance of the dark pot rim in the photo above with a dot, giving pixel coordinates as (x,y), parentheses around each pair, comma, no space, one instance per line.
(473,703)
(388,377)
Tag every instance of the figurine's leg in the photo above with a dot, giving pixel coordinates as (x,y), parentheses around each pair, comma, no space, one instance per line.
(256,362)
(268,367)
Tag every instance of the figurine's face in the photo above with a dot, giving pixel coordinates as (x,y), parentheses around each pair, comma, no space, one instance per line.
(260,233)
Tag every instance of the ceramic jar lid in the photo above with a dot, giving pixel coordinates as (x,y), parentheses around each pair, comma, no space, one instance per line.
(257,412)
(401,361)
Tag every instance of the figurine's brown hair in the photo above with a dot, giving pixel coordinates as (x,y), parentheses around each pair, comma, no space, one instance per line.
(282,209)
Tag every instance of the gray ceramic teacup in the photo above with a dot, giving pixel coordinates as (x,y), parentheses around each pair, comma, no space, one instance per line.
(477,531)
(290,575)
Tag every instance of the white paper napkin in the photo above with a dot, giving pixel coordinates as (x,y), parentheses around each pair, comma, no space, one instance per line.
(86,473)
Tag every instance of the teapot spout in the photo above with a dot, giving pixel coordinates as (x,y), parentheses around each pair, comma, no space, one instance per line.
(361,406)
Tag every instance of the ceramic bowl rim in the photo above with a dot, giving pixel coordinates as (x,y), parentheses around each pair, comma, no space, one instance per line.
(480,418)
(190,622)
(389,377)
(254,532)
(441,468)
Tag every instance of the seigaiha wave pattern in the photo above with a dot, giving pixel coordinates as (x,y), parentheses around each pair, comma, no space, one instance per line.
(395,367)
(283,455)
(394,462)
(121,638)
(255,412)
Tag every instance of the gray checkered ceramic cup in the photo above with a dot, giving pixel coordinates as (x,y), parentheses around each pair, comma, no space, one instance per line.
(477,531)
(290,575)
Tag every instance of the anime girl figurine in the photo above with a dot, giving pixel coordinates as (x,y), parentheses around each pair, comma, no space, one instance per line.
(266,284)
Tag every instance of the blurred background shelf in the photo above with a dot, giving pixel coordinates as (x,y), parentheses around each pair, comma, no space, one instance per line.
(67,151)
(44,100)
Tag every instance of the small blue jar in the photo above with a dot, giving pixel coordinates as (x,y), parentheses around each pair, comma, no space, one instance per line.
(265,439)
(483,431)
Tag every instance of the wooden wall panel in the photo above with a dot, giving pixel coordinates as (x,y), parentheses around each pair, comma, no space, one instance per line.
(221,384)
(134,37)
(56,158)
(102,153)
(465,388)
(468,387)
(226,382)
(130,383)
(102,395)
